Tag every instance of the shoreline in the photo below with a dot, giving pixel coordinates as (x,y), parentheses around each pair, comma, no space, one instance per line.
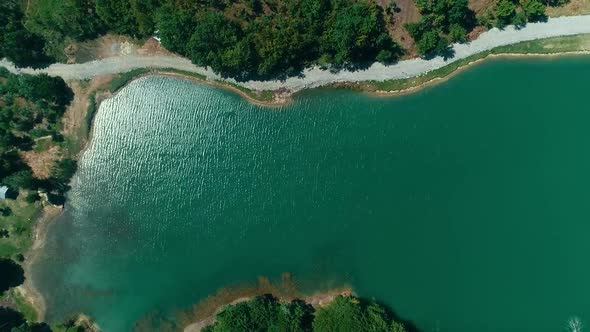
(36,299)
(465,67)
(280,100)
(28,289)
(362,87)
(317,299)
(279,97)
(313,77)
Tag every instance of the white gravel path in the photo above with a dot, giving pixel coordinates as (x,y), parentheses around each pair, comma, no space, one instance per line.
(314,77)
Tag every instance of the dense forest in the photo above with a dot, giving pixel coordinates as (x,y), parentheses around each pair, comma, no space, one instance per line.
(449,21)
(248,39)
(266,313)
(243,39)
(30,109)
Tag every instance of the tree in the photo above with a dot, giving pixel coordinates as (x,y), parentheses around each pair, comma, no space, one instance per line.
(10,319)
(428,43)
(534,10)
(348,313)
(457,33)
(175,27)
(505,11)
(21,179)
(442,21)
(459,13)
(555,3)
(214,43)
(343,314)
(61,173)
(11,274)
(5,211)
(61,21)
(264,313)
(519,20)
(17,44)
(353,32)
(118,16)
(51,90)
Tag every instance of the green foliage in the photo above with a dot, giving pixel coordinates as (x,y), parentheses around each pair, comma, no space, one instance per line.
(518,13)
(217,42)
(347,313)
(63,170)
(247,44)
(61,21)
(117,16)
(355,34)
(505,12)
(128,17)
(555,3)
(12,274)
(10,319)
(19,45)
(30,105)
(20,179)
(175,28)
(266,313)
(534,10)
(14,321)
(242,39)
(519,19)
(5,211)
(442,22)
(457,33)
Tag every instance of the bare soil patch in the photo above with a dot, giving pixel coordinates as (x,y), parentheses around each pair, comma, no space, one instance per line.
(574,7)
(481,6)
(74,119)
(112,46)
(42,161)
(407,13)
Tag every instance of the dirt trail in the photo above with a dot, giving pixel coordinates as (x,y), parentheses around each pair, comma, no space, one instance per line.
(315,77)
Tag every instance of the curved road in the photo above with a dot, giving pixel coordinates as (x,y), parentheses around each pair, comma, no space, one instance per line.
(314,77)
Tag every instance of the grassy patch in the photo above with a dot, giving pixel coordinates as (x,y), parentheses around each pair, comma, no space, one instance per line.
(542,46)
(22,305)
(265,95)
(186,73)
(122,79)
(43,144)
(19,226)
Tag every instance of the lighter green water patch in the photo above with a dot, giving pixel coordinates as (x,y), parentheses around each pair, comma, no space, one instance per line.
(465,206)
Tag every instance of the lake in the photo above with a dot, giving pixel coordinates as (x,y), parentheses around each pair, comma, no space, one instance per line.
(464,207)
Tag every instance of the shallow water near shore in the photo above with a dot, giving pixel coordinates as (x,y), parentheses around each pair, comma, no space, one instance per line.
(464,206)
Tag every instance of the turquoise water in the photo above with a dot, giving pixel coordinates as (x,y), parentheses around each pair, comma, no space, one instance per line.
(465,207)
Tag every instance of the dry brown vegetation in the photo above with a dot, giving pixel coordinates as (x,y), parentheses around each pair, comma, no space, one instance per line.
(74,119)
(407,13)
(575,7)
(41,161)
(110,46)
